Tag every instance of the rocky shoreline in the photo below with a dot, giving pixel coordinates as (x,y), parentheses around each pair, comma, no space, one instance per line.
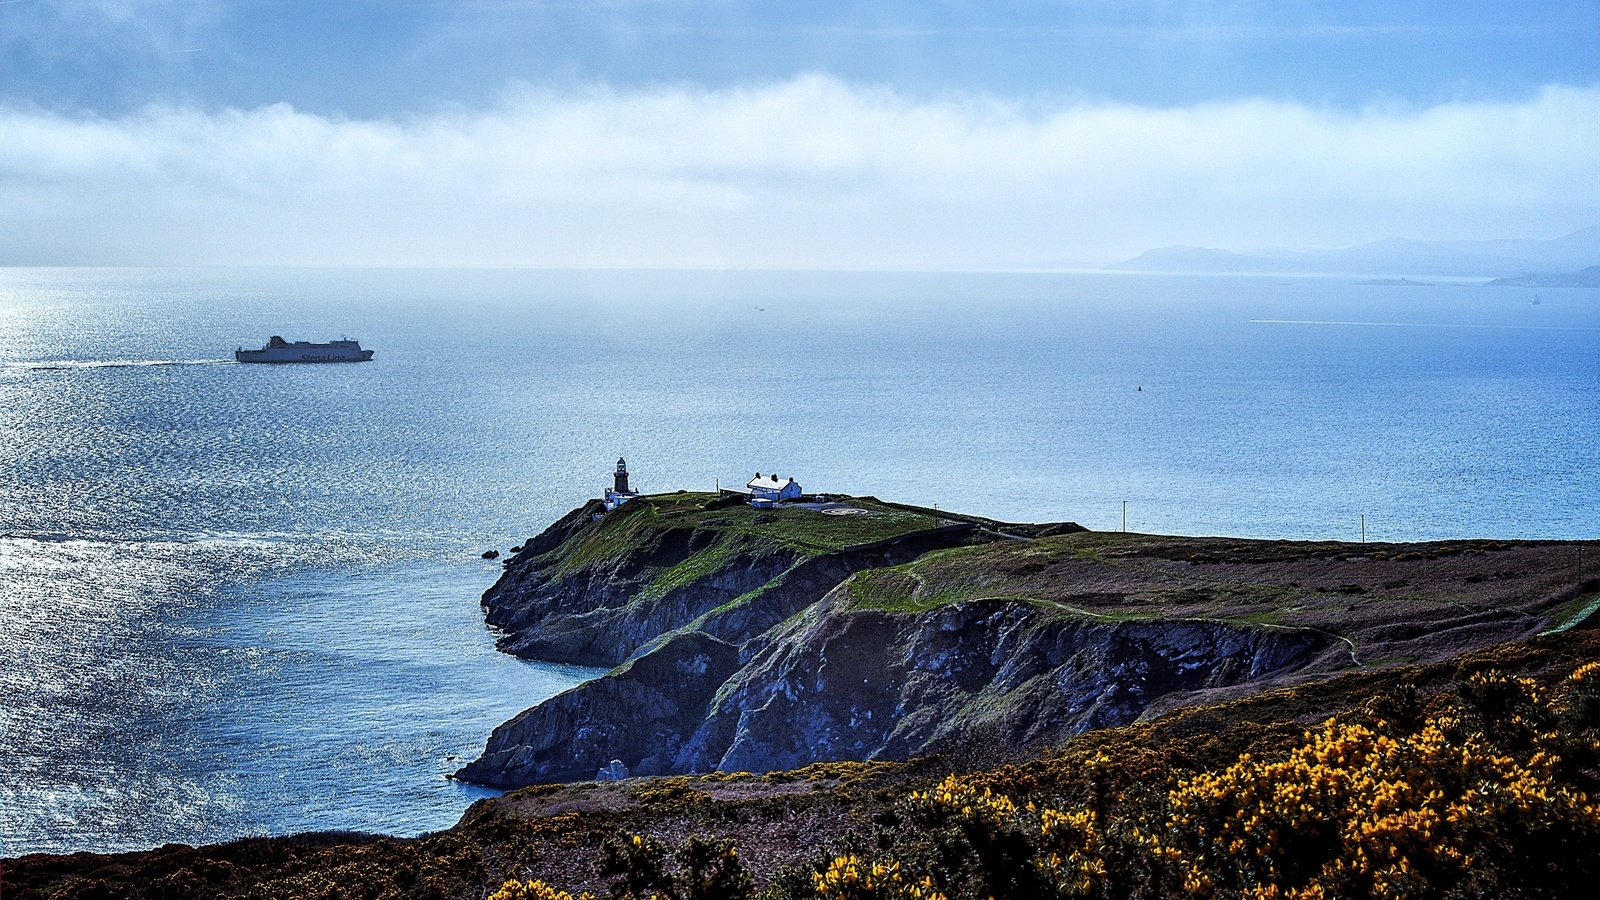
(755,641)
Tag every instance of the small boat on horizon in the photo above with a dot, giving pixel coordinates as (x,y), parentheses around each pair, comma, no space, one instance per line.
(279,350)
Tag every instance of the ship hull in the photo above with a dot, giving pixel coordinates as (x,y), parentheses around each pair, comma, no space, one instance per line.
(307,354)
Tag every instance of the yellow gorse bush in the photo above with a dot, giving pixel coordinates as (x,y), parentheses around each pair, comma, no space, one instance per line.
(1072,859)
(1372,813)
(1585,673)
(1356,809)
(978,805)
(534,890)
(1064,845)
(850,878)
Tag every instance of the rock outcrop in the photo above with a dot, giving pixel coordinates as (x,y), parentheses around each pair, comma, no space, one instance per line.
(641,713)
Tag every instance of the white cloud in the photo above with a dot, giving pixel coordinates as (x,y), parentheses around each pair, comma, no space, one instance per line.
(805,172)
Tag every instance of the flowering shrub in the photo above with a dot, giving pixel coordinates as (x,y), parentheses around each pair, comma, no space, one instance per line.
(1355,812)
(534,890)
(849,878)
(994,847)
(1489,797)
(1474,801)
(1371,810)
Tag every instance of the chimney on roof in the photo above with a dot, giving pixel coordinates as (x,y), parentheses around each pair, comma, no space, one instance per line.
(758,474)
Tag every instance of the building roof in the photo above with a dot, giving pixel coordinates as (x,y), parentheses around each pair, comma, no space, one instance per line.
(771,483)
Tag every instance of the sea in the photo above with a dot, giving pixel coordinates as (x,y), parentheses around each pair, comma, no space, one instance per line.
(243,600)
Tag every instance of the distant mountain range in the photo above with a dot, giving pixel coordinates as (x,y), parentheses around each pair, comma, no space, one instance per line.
(1395,256)
(1587,278)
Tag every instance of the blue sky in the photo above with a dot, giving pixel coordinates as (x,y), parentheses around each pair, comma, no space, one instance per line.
(376,58)
(1037,114)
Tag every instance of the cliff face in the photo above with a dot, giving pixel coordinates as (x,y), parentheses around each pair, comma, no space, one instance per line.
(849,683)
(843,683)
(763,642)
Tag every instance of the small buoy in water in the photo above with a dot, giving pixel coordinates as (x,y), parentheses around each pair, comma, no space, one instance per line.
(491,554)
(1141,387)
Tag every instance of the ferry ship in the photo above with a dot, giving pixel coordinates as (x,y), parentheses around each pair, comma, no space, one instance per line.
(279,350)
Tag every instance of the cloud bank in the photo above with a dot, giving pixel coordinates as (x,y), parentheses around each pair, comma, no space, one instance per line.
(807,172)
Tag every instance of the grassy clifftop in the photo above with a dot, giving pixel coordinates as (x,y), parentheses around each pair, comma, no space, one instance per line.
(1388,602)
(715,531)
(864,629)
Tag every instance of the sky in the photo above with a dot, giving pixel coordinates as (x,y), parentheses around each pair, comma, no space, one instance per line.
(726,133)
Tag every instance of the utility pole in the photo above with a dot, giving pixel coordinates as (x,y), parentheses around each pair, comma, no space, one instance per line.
(1363,528)
(1124,516)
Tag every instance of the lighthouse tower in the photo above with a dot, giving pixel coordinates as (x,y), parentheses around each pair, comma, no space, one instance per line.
(619,492)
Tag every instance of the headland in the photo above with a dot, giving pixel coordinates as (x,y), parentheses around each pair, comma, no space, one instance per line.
(808,697)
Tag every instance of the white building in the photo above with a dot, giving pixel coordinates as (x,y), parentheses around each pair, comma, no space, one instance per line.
(769,490)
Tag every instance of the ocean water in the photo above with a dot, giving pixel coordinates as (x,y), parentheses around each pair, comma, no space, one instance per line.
(241,600)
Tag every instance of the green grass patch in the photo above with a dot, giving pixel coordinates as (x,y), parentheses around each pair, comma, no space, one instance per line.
(1574,611)
(814,532)
(615,534)
(807,530)
(699,565)
(722,532)
(892,589)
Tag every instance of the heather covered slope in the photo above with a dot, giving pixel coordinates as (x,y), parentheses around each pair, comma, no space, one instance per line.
(1119,797)
(1383,603)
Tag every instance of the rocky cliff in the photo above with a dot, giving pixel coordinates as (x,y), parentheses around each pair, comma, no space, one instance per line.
(595,589)
(642,712)
(844,683)
(763,641)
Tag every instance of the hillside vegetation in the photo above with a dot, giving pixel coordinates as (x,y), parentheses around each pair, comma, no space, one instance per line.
(1466,778)
(1385,602)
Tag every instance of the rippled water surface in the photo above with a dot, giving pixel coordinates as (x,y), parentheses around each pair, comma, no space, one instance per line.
(243,599)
